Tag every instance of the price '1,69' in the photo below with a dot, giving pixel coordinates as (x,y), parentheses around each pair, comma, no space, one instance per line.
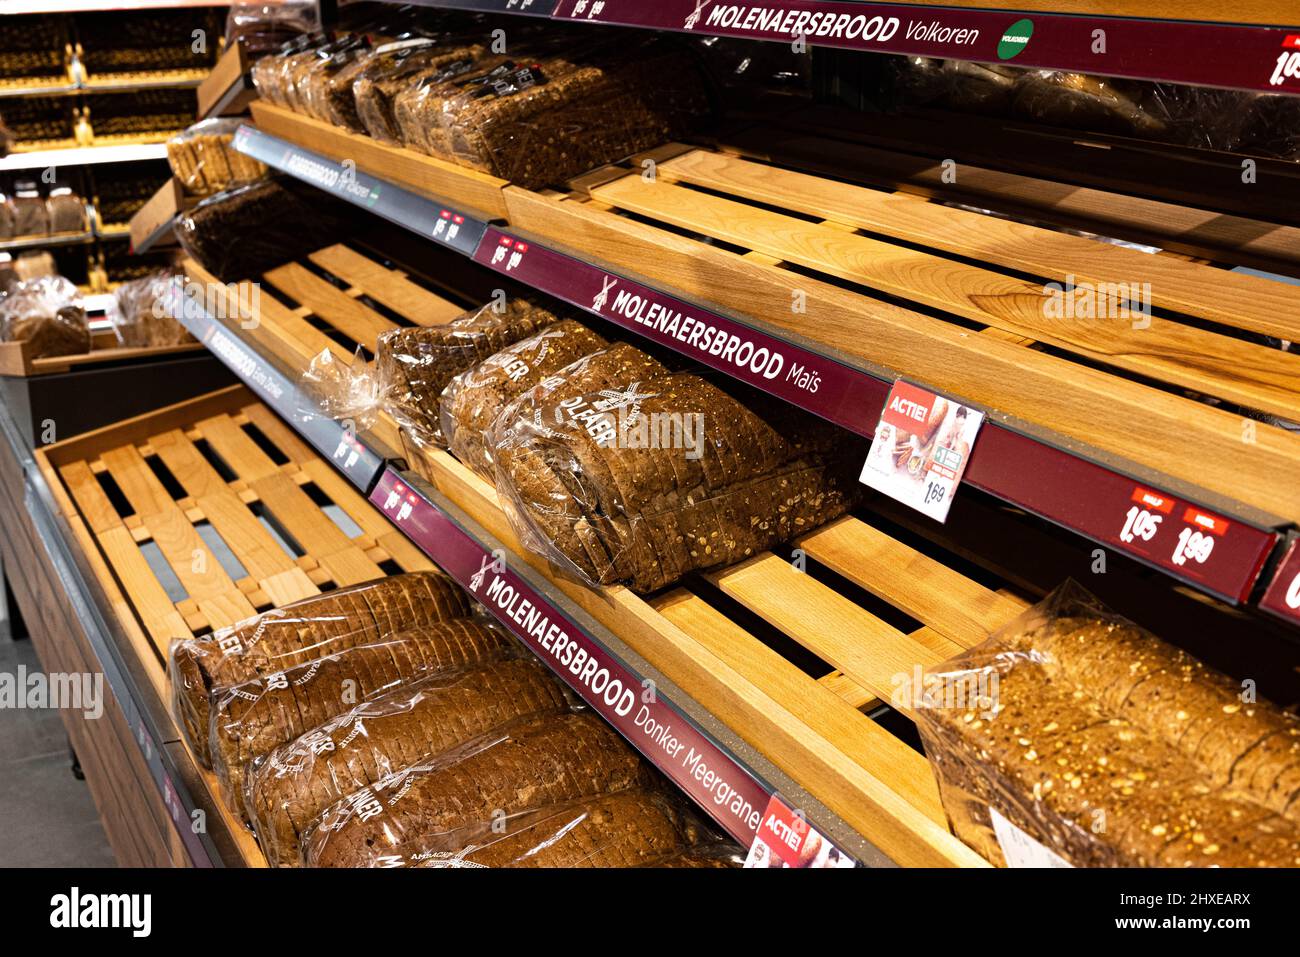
(1194,545)
(1139,523)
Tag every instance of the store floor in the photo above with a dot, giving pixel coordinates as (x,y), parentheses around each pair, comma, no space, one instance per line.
(46,815)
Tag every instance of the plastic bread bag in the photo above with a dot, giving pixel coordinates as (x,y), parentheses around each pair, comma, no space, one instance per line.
(415,364)
(287,790)
(620,473)
(314,86)
(300,632)
(66,211)
(262,27)
(397,67)
(142,317)
(719,855)
(1072,737)
(1079,101)
(30,214)
(473,399)
(47,313)
(205,162)
(444,804)
(417,108)
(251,718)
(541,123)
(632,828)
(240,233)
(268,72)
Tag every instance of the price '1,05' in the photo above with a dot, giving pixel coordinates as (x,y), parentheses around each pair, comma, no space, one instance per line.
(1142,524)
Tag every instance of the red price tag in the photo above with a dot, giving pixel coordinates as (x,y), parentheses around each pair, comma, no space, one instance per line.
(785,839)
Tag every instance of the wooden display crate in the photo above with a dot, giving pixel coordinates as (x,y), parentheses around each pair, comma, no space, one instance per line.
(151,226)
(228,89)
(198,515)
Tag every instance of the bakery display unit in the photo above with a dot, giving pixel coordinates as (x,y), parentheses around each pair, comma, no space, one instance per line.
(789,661)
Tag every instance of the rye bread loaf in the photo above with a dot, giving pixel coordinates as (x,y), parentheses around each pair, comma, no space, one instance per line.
(417,108)
(250,719)
(415,364)
(1036,724)
(625,829)
(300,632)
(472,400)
(642,480)
(445,804)
(287,791)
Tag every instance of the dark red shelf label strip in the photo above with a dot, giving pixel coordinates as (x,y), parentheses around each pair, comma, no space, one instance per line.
(1283,595)
(1244,57)
(694,762)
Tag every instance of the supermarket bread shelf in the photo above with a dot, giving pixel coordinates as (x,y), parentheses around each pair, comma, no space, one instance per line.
(1246,46)
(84,156)
(684,739)
(1086,419)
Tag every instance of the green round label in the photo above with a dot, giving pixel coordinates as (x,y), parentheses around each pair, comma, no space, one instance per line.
(1015,39)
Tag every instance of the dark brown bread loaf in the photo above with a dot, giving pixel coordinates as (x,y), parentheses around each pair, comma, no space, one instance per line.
(417,108)
(1046,723)
(442,806)
(415,364)
(287,792)
(642,480)
(626,829)
(472,401)
(368,105)
(300,632)
(250,719)
(541,123)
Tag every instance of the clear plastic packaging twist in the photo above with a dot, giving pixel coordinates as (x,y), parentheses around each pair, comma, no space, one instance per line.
(1072,737)
(443,805)
(251,718)
(288,790)
(300,632)
(620,472)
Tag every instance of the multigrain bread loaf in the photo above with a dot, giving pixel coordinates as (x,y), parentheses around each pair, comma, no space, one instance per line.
(446,804)
(472,400)
(415,364)
(417,109)
(1046,726)
(250,719)
(626,829)
(300,632)
(287,792)
(642,478)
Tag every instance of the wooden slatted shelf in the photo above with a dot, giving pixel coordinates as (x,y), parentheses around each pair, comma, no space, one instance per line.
(148,499)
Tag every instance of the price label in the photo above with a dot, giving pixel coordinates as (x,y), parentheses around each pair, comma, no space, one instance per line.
(399,503)
(1282,598)
(785,839)
(145,740)
(920,449)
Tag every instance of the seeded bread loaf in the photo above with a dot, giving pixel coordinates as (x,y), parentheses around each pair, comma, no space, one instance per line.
(417,109)
(300,632)
(446,804)
(287,791)
(472,400)
(250,719)
(626,829)
(641,480)
(1109,748)
(415,364)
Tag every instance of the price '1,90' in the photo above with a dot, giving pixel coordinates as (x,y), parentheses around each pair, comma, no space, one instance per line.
(1139,523)
(1194,545)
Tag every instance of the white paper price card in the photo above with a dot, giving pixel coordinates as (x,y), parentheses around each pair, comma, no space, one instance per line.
(1020,849)
(920,450)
